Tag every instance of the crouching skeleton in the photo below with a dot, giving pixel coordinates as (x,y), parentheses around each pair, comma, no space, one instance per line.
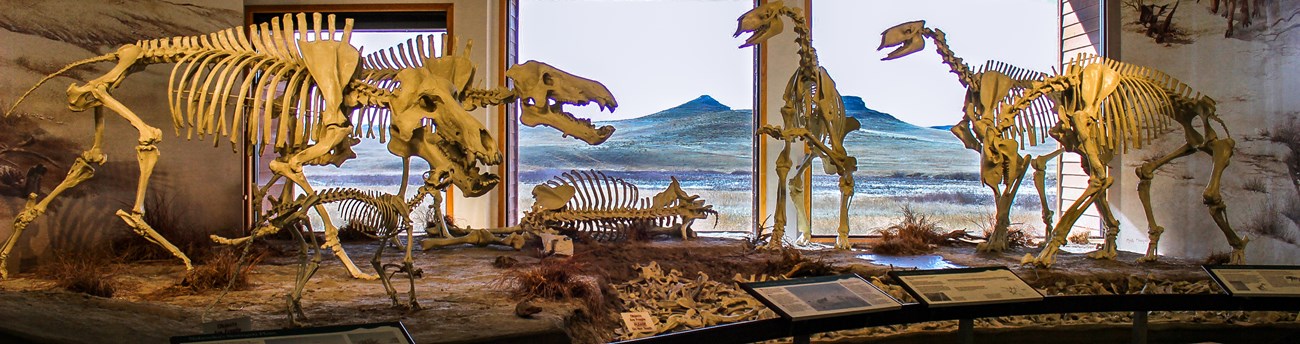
(379,215)
(300,97)
(597,206)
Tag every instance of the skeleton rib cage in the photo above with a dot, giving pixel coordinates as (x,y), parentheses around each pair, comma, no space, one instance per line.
(264,75)
(609,208)
(1141,107)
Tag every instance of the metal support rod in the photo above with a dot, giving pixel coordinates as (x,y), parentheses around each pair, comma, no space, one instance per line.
(1140,327)
(966,331)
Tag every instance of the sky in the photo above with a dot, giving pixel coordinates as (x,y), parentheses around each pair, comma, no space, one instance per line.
(656,54)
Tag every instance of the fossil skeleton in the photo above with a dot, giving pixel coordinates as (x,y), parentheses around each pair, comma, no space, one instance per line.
(1002,167)
(379,215)
(301,97)
(1103,107)
(594,204)
(608,208)
(814,113)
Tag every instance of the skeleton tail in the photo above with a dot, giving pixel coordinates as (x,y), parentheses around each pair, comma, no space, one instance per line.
(101,58)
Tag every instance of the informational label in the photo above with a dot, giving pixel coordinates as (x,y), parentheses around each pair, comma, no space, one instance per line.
(1257,280)
(817,297)
(384,333)
(638,322)
(240,324)
(951,287)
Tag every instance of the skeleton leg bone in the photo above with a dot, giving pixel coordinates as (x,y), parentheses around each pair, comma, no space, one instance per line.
(783,165)
(1145,173)
(146,156)
(1040,183)
(1107,250)
(1047,256)
(306,269)
(292,169)
(80,171)
(1221,149)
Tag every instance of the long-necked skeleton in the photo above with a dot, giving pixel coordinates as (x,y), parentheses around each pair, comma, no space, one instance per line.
(1002,167)
(814,113)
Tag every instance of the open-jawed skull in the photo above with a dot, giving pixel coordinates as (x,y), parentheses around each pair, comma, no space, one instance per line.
(544,90)
(907,37)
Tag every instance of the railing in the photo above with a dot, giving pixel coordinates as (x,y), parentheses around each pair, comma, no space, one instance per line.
(1140,305)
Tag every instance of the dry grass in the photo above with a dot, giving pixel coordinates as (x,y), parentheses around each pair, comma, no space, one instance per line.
(1256,185)
(916,234)
(551,278)
(223,268)
(86,273)
(1218,258)
(1079,237)
(793,264)
(168,221)
(557,279)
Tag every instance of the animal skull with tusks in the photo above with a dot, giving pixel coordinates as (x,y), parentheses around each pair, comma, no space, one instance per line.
(544,90)
(456,143)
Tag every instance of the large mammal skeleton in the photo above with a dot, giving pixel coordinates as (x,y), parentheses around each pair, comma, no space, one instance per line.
(299,95)
(814,113)
(1103,106)
(1002,168)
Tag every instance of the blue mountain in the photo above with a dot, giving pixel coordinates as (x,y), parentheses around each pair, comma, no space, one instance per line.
(704,134)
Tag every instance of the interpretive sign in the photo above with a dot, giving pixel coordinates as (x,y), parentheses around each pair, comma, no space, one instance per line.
(970,286)
(378,333)
(1257,280)
(817,297)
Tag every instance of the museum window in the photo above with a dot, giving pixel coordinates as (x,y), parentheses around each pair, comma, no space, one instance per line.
(907,157)
(684,93)
(374,168)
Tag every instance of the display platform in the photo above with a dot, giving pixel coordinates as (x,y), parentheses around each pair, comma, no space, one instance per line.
(463,301)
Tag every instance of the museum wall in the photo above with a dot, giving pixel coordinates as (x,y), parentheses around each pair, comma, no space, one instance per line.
(195,186)
(779,59)
(1251,74)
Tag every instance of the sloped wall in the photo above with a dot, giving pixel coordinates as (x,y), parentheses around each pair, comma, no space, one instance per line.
(1251,75)
(194,184)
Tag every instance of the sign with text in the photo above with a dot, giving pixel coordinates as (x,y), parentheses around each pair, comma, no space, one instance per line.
(971,286)
(1257,280)
(638,322)
(379,333)
(817,297)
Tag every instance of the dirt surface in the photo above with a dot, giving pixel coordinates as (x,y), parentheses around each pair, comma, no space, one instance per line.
(462,296)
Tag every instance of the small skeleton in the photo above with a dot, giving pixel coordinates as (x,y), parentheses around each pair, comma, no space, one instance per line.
(608,208)
(382,216)
(594,204)
(814,113)
(1002,167)
(301,96)
(1103,106)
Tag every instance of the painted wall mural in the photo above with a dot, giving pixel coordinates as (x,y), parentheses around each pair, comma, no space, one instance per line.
(1244,55)
(193,191)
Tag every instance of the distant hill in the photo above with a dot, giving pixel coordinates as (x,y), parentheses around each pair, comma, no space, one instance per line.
(703,134)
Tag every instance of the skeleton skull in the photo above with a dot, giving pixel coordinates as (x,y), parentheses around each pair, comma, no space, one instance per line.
(764,21)
(544,90)
(907,36)
(457,142)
